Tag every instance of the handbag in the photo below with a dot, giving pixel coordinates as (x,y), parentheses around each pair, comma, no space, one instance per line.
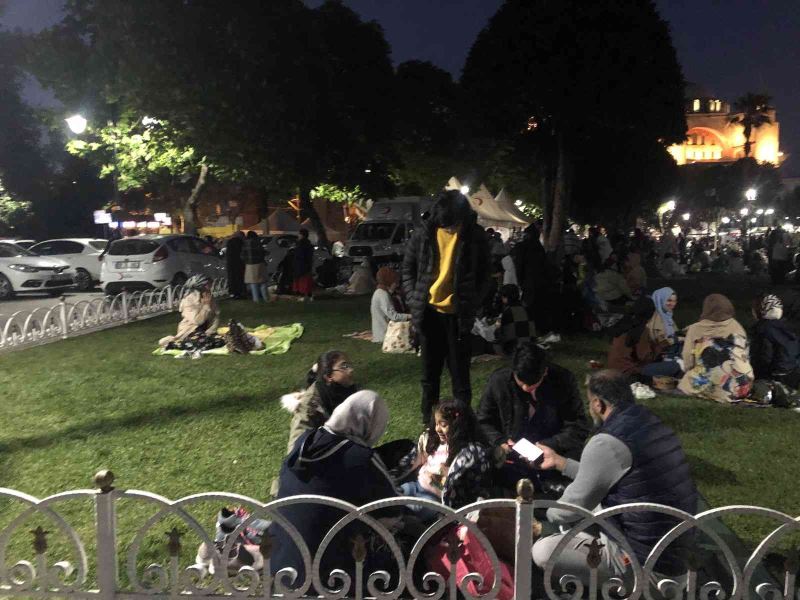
(398,338)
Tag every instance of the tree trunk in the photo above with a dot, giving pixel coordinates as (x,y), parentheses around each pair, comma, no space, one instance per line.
(189,207)
(307,211)
(560,204)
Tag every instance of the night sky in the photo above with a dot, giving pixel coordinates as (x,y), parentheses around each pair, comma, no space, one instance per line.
(729,46)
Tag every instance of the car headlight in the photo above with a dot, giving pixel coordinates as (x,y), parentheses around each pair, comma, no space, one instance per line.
(24,268)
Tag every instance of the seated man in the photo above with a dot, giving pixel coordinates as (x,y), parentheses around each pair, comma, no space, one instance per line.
(516,326)
(634,457)
(536,400)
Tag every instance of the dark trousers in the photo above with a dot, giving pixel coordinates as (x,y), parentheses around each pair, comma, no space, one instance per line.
(440,343)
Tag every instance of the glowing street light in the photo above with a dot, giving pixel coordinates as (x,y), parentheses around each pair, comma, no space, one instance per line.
(686,216)
(744,212)
(726,220)
(670,205)
(769,211)
(760,211)
(751,194)
(77,124)
(753,220)
(464,189)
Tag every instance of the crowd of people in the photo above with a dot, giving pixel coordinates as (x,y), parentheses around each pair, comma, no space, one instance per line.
(454,275)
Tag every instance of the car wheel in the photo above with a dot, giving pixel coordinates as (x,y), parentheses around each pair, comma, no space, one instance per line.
(178,279)
(6,289)
(83,280)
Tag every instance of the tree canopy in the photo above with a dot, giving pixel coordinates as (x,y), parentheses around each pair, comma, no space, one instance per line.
(591,83)
(277,94)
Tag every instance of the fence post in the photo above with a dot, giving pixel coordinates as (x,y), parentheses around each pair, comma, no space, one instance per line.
(170,299)
(62,311)
(125,318)
(523,553)
(106,517)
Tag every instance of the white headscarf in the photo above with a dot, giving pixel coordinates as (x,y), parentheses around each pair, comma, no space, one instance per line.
(362,417)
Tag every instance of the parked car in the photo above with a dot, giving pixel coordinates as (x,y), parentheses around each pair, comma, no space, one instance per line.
(277,246)
(22,271)
(155,261)
(21,243)
(82,254)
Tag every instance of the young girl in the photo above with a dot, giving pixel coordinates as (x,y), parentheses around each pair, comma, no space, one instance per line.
(454,466)
(329,382)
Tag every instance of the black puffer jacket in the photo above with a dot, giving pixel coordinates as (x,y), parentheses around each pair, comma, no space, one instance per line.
(471,270)
(774,348)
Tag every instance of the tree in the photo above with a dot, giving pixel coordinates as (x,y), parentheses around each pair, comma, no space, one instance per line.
(24,173)
(425,128)
(753,109)
(283,96)
(586,81)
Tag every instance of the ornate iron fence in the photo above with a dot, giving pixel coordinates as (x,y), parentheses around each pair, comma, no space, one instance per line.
(63,320)
(97,574)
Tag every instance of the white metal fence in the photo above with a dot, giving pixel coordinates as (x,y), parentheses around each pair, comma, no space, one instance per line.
(89,567)
(66,319)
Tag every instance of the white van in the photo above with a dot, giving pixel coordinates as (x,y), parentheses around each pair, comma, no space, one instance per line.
(386,229)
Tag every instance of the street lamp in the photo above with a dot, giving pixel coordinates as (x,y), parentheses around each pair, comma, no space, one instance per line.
(751,194)
(686,216)
(760,211)
(464,189)
(77,124)
(753,220)
(769,211)
(744,212)
(726,220)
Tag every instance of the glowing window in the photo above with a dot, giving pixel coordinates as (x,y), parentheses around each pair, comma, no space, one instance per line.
(696,105)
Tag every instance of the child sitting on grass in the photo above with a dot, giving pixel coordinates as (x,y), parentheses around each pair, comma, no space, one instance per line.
(454,465)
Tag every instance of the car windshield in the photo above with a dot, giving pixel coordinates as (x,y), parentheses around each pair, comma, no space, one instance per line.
(373,232)
(132,247)
(8,250)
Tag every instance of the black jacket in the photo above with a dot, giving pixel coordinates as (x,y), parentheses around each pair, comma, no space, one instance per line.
(252,252)
(303,258)
(420,264)
(327,464)
(774,348)
(563,420)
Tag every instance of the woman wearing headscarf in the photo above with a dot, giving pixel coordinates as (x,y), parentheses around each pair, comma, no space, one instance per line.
(336,460)
(633,351)
(774,347)
(382,307)
(661,326)
(716,354)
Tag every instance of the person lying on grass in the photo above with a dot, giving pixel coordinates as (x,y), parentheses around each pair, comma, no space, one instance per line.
(454,465)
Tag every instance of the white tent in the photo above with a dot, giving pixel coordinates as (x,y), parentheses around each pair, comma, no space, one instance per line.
(498,213)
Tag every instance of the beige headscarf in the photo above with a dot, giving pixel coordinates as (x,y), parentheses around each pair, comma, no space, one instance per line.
(362,417)
(717,308)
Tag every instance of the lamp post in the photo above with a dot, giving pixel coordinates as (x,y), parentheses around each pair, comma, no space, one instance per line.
(751,194)
(76,123)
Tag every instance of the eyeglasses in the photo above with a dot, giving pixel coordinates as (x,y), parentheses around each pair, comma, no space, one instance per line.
(344,367)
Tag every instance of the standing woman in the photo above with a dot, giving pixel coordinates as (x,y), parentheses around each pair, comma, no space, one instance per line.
(303,284)
(255,269)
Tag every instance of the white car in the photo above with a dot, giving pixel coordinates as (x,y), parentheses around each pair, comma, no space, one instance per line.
(82,254)
(155,261)
(21,243)
(22,271)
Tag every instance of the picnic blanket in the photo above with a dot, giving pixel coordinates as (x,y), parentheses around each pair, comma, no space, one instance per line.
(277,340)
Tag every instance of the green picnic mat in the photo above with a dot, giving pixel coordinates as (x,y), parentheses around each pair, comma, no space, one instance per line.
(277,340)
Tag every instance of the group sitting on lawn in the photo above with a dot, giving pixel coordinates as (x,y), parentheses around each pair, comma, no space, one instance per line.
(461,458)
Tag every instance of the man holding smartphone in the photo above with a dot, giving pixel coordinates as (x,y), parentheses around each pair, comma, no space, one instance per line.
(536,401)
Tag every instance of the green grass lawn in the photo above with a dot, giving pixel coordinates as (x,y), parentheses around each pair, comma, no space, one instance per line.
(177,427)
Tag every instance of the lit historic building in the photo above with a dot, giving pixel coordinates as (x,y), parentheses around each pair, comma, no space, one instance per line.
(711,137)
